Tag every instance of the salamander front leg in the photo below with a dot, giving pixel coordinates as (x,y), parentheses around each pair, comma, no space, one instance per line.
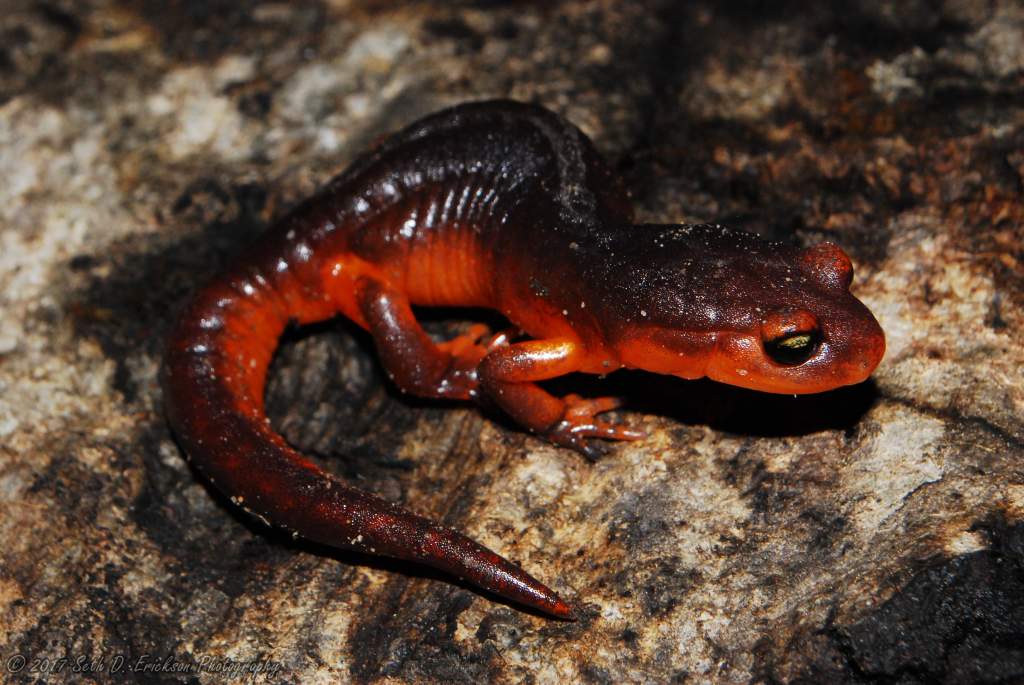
(414,362)
(508,377)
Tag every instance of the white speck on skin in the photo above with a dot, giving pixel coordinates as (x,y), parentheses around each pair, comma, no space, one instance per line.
(409,227)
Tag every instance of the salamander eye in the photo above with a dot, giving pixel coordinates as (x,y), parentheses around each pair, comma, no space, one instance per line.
(794,349)
(790,336)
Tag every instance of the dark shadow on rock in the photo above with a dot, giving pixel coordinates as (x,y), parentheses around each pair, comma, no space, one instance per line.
(958,620)
(729,408)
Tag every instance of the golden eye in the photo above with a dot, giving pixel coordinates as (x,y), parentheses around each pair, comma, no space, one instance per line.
(796,342)
(792,349)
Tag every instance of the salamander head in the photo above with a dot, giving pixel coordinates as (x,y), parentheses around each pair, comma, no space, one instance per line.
(822,339)
(758,315)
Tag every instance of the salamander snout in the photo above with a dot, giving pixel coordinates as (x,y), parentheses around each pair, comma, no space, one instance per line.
(855,343)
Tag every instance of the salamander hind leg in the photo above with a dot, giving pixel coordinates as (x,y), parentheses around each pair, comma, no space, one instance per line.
(414,362)
(508,376)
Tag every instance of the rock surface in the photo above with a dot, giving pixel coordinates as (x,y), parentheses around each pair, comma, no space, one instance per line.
(874,534)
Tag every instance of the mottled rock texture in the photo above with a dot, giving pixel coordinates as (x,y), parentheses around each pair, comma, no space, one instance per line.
(874,534)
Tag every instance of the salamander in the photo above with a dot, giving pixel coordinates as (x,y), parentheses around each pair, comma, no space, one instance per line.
(507,206)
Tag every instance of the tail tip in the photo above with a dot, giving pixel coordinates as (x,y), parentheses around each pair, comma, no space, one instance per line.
(560,609)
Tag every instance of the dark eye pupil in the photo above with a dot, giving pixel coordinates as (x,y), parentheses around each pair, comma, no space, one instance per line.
(792,349)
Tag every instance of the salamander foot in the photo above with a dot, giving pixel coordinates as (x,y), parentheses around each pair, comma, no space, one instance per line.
(580,422)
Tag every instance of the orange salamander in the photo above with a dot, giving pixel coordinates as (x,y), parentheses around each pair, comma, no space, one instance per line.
(507,206)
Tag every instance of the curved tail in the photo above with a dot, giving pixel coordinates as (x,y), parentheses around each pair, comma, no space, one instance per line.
(213,380)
